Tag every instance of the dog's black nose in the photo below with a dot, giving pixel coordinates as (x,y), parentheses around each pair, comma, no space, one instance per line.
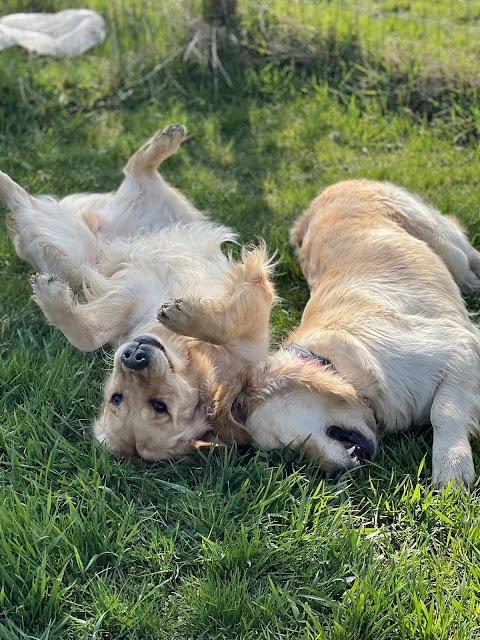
(135,356)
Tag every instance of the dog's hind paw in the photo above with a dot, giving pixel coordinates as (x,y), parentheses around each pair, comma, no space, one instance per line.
(160,146)
(174,131)
(168,140)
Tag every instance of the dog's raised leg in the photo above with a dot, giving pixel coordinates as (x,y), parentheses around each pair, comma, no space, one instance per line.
(145,203)
(87,326)
(239,321)
(145,162)
(454,417)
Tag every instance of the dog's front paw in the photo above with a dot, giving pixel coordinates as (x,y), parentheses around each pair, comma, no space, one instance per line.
(459,473)
(188,317)
(46,284)
(51,294)
(169,308)
(175,314)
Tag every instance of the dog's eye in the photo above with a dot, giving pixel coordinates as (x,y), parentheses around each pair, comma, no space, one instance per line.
(159,406)
(116,399)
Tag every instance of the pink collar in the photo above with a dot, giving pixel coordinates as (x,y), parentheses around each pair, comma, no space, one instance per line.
(306,355)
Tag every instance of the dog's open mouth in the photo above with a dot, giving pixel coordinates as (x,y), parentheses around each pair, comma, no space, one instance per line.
(357,445)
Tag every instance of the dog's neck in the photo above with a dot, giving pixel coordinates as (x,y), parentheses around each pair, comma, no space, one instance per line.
(349,356)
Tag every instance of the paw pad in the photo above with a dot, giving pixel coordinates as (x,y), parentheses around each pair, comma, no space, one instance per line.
(176,303)
(175,130)
(47,278)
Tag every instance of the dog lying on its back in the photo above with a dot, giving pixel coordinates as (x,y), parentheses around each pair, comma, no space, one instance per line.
(386,323)
(108,262)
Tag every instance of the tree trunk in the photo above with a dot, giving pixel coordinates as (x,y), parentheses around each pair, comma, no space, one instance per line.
(220,13)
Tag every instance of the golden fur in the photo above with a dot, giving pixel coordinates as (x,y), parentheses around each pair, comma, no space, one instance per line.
(108,262)
(142,269)
(384,272)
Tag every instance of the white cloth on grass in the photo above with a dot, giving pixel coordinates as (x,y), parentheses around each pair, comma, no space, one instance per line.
(66,33)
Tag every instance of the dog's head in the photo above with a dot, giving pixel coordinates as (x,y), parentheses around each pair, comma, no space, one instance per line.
(154,401)
(293,403)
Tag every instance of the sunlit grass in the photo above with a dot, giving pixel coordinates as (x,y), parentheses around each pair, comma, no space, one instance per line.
(235,546)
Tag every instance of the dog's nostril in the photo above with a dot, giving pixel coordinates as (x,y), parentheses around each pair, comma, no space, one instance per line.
(135,357)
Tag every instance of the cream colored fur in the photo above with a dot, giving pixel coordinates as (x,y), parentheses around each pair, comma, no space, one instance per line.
(109,261)
(383,269)
(384,272)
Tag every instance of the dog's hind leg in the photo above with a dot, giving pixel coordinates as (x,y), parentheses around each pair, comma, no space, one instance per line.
(448,239)
(456,241)
(145,162)
(145,203)
(463,262)
(442,233)
(45,235)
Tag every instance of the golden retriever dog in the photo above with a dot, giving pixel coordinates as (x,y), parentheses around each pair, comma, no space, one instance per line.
(385,341)
(107,262)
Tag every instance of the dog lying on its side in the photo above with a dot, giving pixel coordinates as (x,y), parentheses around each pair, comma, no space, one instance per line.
(386,325)
(108,262)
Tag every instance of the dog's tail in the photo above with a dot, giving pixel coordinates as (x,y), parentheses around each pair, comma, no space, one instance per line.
(45,235)
(299,229)
(11,193)
(14,197)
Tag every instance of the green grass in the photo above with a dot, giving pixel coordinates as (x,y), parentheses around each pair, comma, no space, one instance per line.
(418,28)
(255,546)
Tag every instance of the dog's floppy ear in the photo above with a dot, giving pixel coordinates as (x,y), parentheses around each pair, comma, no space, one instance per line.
(234,401)
(284,374)
(229,414)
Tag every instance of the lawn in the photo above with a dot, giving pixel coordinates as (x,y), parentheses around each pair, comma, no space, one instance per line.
(253,546)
